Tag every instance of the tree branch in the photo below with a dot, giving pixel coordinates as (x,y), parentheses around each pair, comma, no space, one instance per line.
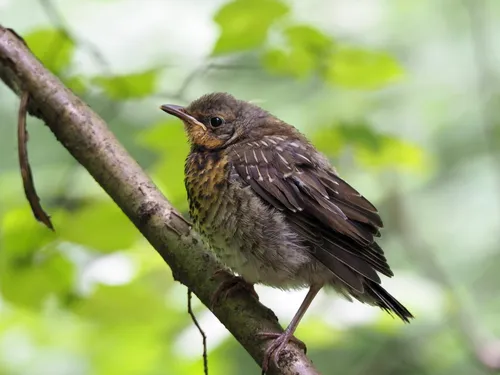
(85,135)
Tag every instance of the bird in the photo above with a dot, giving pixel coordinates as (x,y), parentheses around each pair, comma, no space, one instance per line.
(275,211)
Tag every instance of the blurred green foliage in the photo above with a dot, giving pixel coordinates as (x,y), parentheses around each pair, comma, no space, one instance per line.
(398,123)
(371,149)
(53,47)
(129,86)
(244,25)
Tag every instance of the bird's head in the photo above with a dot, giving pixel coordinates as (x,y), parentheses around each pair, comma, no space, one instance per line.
(218,120)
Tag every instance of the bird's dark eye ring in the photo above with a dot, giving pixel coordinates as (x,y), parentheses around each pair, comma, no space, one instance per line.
(216,121)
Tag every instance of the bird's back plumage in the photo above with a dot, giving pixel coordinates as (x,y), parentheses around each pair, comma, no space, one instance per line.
(337,224)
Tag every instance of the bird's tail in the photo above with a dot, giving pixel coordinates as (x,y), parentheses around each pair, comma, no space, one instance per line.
(381,298)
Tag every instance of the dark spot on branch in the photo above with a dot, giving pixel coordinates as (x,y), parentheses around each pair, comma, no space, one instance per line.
(146,211)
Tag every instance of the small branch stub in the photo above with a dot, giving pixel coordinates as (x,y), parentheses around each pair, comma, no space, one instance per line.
(27,176)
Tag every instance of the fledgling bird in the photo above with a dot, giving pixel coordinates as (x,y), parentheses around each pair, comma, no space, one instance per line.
(275,211)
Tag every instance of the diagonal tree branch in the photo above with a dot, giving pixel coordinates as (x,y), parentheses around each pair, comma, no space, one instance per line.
(85,135)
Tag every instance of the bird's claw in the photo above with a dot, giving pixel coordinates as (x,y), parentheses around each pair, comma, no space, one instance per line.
(228,286)
(274,350)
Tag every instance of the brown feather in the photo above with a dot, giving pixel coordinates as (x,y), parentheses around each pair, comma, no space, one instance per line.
(337,222)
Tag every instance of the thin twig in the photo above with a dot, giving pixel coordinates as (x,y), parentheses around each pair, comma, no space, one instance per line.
(179,94)
(27,176)
(202,333)
(196,73)
(58,20)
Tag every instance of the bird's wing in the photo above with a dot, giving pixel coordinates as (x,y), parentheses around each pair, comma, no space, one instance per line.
(338,222)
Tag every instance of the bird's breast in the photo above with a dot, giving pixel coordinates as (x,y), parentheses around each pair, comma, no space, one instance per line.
(206,182)
(214,203)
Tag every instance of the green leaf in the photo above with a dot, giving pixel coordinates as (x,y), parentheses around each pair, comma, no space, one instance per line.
(101,226)
(15,226)
(308,37)
(362,69)
(329,140)
(130,350)
(362,135)
(31,267)
(126,304)
(53,47)
(304,54)
(168,139)
(393,152)
(298,62)
(372,149)
(244,24)
(76,83)
(130,86)
(276,61)
(49,274)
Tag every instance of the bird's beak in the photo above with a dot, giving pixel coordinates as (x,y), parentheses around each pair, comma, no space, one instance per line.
(180,112)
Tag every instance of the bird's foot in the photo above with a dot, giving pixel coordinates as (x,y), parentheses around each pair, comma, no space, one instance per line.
(229,285)
(274,350)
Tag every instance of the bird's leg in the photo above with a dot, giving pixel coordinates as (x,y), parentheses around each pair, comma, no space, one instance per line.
(229,285)
(281,339)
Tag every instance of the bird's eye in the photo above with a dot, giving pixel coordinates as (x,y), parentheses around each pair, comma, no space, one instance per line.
(216,121)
